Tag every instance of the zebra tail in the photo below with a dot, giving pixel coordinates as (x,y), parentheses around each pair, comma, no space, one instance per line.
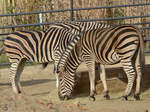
(2,50)
(63,57)
(142,48)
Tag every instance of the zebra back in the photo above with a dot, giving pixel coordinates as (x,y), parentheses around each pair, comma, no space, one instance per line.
(77,27)
(93,25)
(69,26)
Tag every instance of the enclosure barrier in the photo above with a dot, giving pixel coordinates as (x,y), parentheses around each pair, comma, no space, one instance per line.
(72,10)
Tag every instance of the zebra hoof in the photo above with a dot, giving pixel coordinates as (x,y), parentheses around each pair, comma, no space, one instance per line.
(124,98)
(91,98)
(137,97)
(107,97)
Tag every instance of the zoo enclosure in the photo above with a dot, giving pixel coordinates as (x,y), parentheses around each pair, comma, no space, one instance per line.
(73,15)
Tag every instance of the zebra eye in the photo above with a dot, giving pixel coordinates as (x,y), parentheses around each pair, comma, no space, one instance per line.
(60,79)
(57,71)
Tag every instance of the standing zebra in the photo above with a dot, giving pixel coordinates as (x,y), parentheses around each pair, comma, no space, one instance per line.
(109,46)
(39,46)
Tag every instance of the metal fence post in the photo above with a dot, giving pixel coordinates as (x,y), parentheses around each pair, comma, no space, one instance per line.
(71,11)
(40,19)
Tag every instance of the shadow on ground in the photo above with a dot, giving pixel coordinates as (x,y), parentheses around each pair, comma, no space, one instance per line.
(116,81)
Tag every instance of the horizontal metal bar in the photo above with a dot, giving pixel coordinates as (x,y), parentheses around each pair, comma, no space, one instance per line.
(100,19)
(75,9)
(2,39)
(113,6)
(8,63)
(146,51)
(4,64)
(143,23)
(4,34)
(144,28)
(25,25)
(114,18)
(31,13)
(147,39)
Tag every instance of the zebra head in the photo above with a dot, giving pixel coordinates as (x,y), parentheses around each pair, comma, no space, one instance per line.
(66,83)
(65,72)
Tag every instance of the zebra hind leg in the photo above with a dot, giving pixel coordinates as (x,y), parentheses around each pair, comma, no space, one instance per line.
(140,72)
(130,72)
(92,83)
(15,72)
(103,79)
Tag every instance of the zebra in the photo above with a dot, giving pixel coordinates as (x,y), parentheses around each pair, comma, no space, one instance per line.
(119,44)
(38,46)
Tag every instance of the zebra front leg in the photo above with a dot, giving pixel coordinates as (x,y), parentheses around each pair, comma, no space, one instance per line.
(91,69)
(15,72)
(92,84)
(130,72)
(103,79)
(57,81)
(56,74)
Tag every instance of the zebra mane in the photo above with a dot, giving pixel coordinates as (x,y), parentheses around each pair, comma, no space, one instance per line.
(63,57)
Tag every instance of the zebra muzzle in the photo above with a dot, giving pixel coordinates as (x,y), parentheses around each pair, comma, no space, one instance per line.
(64,98)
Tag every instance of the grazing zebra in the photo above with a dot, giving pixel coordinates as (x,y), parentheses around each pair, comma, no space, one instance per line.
(38,46)
(108,46)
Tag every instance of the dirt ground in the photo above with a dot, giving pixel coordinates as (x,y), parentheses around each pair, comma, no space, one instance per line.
(40,94)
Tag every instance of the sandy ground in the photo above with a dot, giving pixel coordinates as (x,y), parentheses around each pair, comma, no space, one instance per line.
(41,95)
